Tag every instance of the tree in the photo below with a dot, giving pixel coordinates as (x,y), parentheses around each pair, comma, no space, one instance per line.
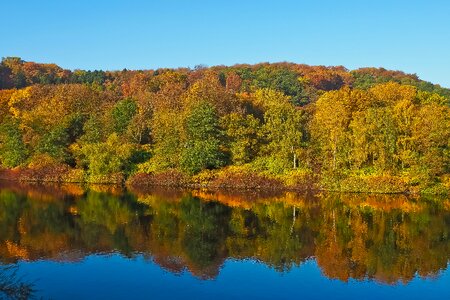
(13,151)
(203,148)
(431,136)
(166,134)
(108,157)
(122,113)
(281,131)
(328,128)
(55,143)
(210,90)
(374,139)
(242,133)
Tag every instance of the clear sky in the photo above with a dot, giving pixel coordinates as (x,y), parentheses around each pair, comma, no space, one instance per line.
(412,36)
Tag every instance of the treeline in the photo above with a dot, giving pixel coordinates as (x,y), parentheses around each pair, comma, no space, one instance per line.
(274,124)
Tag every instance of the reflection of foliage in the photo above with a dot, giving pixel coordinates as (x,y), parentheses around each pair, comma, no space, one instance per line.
(12,286)
(283,241)
(105,215)
(387,244)
(382,237)
(205,230)
(98,208)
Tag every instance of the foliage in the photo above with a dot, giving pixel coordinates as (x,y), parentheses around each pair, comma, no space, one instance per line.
(203,146)
(386,238)
(109,157)
(282,129)
(242,134)
(13,151)
(283,120)
(122,114)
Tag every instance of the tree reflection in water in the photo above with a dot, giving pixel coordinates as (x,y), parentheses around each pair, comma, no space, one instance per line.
(387,238)
(12,286)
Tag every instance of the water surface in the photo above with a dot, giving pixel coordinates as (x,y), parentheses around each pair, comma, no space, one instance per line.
(70,242)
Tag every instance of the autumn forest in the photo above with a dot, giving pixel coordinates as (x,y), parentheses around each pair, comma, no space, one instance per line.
(264,126)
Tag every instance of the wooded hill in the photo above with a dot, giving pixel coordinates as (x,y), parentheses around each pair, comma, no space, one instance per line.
(245,126)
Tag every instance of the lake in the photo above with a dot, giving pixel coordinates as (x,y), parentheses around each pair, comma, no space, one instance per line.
(103,242)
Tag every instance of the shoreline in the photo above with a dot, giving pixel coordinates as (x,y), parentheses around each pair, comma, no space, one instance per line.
(249,182)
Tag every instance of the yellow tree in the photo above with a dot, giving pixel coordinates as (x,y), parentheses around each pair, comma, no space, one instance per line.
(328,127)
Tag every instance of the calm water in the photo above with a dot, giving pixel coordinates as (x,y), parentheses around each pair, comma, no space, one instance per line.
(69,242)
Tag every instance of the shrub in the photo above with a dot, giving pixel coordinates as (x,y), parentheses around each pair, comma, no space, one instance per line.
(166,178)
(240,178)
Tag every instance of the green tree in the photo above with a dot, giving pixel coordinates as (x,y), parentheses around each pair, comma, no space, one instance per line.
(93,130)
(242,133)
(203,148)
(55,144)
(166,129)
(108,157)
(13,151)
(122,114)
(57,141)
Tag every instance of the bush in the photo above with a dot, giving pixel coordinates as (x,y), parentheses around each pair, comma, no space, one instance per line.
(373,184)
(273,165)
(204,178)
(74,176)
(300,179)
(166,178)
(110,157)
(44,168)
(115,178)
(240,178)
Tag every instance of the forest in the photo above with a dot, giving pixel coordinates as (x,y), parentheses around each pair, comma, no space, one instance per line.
(263,126)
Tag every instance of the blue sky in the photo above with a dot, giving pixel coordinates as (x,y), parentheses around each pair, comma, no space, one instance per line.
(413,36)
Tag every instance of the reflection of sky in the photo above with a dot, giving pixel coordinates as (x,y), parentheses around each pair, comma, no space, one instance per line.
(116,277)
